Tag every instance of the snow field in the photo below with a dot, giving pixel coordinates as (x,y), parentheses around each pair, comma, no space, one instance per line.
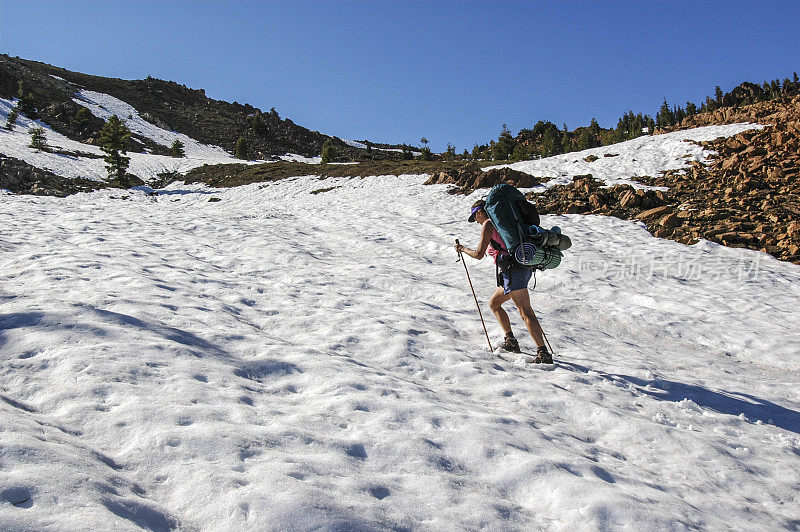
(281,359)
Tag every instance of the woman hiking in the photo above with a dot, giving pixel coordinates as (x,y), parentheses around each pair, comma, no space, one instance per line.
(512,282)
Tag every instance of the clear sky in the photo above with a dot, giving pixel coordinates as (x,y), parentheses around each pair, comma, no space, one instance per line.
(452,71)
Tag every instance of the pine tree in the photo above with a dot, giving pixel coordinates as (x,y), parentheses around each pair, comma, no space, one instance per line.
(551,144)
(258,124)
(25,103)
(114,138)
(12,118)
(38,140)
(241,149)
(425,154)
(519,153)
(80,119)
(450,154)
(328,152)
(678,114)
(718,94)
(504,146)
(423,141)
(665,116)
(176,150)
(566,141)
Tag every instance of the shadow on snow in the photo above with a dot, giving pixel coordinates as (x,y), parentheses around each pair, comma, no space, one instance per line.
(722,402)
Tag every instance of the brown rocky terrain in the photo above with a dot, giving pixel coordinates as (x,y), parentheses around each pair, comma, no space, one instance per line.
(470,177)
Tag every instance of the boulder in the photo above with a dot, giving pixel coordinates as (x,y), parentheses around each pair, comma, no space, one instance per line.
(652,214)
(669,221)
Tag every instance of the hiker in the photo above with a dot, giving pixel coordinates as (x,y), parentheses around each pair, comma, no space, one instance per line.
(512,282)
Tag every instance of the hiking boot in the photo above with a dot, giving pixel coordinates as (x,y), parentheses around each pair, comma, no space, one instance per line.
(543,356)
(510,344)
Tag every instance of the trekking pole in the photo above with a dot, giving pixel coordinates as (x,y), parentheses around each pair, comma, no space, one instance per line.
(548,342)
(475,297)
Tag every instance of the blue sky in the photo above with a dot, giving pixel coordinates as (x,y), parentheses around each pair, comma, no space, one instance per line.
(452,71)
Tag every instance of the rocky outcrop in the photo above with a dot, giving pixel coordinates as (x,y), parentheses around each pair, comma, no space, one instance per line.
(471,178)
(20,177)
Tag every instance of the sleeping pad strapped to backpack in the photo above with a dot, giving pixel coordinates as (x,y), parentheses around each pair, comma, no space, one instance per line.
(517,222)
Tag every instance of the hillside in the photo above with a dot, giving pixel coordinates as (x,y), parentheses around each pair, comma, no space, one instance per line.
(166,104)
(281,359)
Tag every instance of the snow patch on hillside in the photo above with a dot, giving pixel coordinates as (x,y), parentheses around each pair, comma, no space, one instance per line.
(146,166)
(355,144)
(295,158)
(624,162)
(104,106)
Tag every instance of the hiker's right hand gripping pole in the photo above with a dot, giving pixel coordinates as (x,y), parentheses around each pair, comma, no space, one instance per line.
(458,250)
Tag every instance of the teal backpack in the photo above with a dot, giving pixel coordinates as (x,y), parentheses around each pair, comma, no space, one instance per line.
(517,222)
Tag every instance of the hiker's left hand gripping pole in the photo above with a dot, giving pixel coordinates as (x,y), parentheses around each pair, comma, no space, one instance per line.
(458,250)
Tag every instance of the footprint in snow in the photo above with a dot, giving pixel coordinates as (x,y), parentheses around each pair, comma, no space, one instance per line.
(380,492)
(602,474)
(17,496)
(356,450)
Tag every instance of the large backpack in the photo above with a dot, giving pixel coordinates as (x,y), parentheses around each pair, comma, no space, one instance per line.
(517,222)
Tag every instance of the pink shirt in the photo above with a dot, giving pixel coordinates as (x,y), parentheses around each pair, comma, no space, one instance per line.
(490,250)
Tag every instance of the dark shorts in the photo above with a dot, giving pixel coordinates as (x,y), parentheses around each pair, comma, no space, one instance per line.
(515,279)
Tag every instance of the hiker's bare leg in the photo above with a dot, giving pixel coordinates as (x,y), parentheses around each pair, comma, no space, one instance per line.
(496,304)
(522,299)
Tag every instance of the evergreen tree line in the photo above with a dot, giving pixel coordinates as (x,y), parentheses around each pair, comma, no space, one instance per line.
(546,139)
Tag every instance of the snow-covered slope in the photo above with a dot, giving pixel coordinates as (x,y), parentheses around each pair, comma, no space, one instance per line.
(146,166)
(286,360)
(624,162)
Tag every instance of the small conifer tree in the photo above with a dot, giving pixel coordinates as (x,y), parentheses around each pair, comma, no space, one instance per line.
(502,149)
(240,152)
(718,94)
(566,140)
(425,154)
(585,140)
(25,102)
(12,118)
(450,153)
(38,140)
(114,139)
(176,150)
(328,152)
(80,119)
